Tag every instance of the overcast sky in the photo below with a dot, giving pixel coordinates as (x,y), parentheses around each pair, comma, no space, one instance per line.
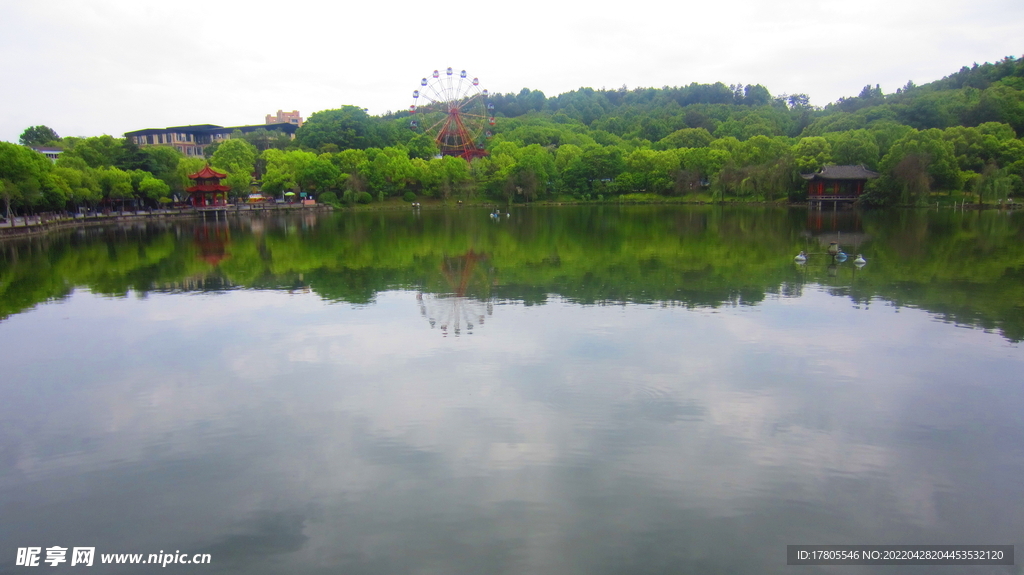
(91,67)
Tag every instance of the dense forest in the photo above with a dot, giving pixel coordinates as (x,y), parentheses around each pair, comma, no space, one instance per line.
(953,139)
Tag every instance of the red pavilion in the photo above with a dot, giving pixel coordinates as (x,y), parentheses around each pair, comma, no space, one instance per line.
(837,183)
(208,190)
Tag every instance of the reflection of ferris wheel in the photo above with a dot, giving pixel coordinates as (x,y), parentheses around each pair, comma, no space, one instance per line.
(452,313)
(453,110)
(454,310)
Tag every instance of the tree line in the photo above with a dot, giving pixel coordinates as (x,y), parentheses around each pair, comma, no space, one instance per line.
(957,136)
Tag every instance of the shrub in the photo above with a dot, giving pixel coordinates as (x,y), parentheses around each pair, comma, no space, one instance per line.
(329,198)
(409,197)
(641,198)
(364,197)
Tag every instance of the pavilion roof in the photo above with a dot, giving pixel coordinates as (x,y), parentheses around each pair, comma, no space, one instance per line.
(208,188)
(841,173)
(206,173)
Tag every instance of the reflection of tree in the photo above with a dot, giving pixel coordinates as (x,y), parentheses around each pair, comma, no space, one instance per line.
(969,268)
(454,310)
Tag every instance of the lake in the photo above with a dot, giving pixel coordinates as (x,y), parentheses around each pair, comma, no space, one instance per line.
(574,390)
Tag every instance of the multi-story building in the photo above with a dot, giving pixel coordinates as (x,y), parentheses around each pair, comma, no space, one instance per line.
(49,151)
(192,140)
(292,117)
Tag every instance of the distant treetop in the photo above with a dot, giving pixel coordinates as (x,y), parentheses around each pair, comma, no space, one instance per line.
(38,136)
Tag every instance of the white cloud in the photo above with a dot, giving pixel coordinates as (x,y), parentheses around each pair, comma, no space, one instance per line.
(110,66)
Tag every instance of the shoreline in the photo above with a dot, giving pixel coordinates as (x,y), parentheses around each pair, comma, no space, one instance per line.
(57,224)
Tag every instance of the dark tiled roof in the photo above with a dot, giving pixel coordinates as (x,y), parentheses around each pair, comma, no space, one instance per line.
(841,173)
(201,129)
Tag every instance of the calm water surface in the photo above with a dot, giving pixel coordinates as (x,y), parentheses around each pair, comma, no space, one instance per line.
(574,390)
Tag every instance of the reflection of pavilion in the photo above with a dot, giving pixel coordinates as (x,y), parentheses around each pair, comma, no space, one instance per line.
(844,228)
(212,240)
(455,310)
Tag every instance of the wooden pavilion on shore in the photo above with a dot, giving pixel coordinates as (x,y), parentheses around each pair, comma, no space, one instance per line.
(836,184)
(207,190)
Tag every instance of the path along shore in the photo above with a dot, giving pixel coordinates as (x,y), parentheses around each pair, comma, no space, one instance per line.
(48,222)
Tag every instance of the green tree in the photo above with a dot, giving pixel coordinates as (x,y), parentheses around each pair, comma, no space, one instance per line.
(264,139)
(811,154)
(320,175)
(853,148)
(756,95)
(162,162)
(96,152)
(1003,103)
(186,167)
(699,166)
(687,138)
(24,173)
(649,171)
(915,164)
(534,172)
(346,127)
(82,185)
(115,184)
(283,169)
(237,157)
(36,136)
(348,161)
(153,189)
(422,146)
(447,176)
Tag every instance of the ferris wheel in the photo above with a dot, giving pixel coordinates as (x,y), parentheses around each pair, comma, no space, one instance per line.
(451,108)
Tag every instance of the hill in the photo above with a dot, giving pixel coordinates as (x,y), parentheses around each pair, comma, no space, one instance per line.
(954,139)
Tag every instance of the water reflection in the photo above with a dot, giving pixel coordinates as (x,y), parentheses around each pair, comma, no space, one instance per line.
(453,312)
(211,240)
(285,433)
(965,266)
(462,274)
(664,391)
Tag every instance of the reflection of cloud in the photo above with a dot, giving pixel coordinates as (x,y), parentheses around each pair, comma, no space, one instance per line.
(356,437)
(265,534)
